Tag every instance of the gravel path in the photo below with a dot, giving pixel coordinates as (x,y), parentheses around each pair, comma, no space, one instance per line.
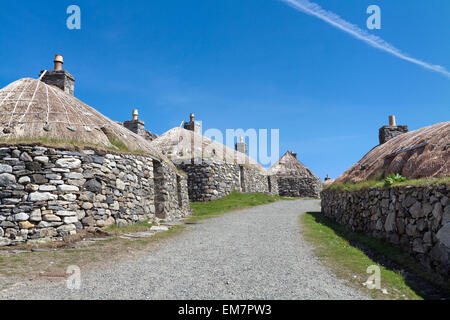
(256,253)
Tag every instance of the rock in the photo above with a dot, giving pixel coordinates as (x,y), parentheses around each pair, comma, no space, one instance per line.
(47,187)
(66,213)
(7,179)
(427,238)
(36,216)
(120,184)
(87,205)
(69,220)
(25,157)
(24,180)
(390,223)
(411,230)
(93,185)
(26,225)
(21,216)
(68,163)
(41,196)
(443,235)
(74,176)
(4,168)
(69,197)
(418,246)
(416,210)
(51,218)
(67,188)
(41,159)
(110,221)
(4,242)
(38,179)
(88,221)
(446,215)
(437,211)
(66,228)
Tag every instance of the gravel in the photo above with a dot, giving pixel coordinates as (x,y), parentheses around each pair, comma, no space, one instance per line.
(256,253)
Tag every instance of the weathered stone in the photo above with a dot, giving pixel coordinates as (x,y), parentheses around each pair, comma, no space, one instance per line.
(390,223)
(47,188)
(36,216)
(74,175)
(120,184)
(443,235)
(4,242)
(26,225)
(41,159)
(69,197)
(416,210)
(41,196)
(4,168)
(25,157)
(69,220)
(21,216)
(68,163)
(6,179)
(93,185)
(67,188)
(38,179)
(24,180)
(66,213)
(51,218)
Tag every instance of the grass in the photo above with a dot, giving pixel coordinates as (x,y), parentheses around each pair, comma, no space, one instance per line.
(117,146)
(380,184)
(335,247)
(137,227)
(232,202)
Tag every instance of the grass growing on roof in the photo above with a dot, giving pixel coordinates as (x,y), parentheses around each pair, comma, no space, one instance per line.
(349,186)
(335,247)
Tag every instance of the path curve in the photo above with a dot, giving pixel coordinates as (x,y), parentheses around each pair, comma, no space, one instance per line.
(256,253)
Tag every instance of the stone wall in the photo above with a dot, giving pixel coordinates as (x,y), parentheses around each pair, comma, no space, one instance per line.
(292,186)
(416,218)
(210,180)
(50,193)
(386,133)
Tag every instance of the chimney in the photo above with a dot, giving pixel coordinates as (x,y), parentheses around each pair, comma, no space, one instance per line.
(135,114)
(137,126)
(192,125)
(294,154)
(59,77)
(241,146)
(386,133)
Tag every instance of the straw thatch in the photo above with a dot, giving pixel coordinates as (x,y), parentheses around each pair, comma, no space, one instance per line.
(289,166)
(32,110)
(423,153)
(179,144)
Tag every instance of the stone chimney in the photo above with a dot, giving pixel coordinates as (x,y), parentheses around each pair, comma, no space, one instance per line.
(59,77)
(137,126)
(294,154)
(241,146)
(386,133)
(192,125)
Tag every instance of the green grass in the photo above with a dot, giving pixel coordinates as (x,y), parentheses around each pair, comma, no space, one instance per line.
(232,202)
(137,227)
(380,184)
(333,246)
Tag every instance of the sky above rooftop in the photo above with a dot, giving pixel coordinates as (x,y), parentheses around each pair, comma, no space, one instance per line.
(243,64)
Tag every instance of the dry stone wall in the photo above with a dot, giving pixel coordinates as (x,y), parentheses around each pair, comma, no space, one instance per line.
(50,193)
(292,186)
(210,180)
(416,218)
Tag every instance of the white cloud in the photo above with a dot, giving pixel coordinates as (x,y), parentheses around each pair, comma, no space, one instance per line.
(336,21)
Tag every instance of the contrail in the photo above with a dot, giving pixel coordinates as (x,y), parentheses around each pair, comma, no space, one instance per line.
(374,41)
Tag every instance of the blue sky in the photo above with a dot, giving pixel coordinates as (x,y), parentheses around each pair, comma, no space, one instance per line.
(243,64)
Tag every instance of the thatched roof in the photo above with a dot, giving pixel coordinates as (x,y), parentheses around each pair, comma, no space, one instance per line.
(31,109)
(179,144)
(422,153)
(288,165)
